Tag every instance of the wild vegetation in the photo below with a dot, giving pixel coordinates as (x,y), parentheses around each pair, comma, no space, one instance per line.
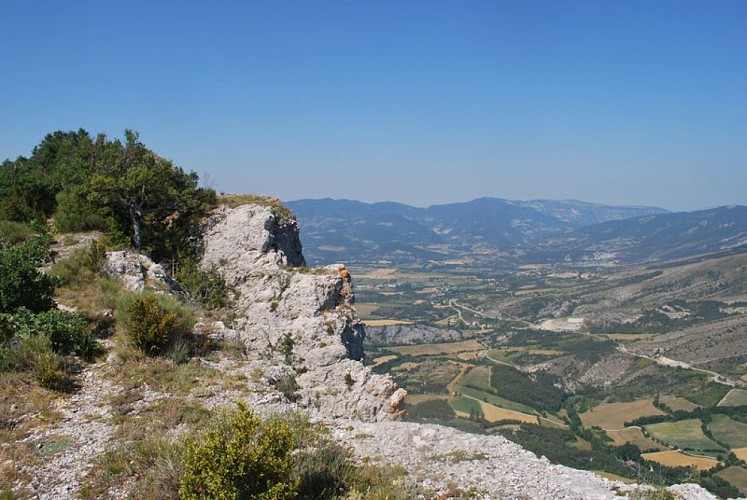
(166,442)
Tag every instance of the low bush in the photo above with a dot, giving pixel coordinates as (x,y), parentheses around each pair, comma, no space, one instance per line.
(68,333)
(204,286)
(240,457)
(155,323)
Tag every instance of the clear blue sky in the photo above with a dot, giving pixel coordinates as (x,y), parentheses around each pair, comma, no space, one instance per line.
(629,102)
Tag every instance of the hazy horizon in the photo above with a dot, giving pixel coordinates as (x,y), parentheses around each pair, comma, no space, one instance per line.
(635,103)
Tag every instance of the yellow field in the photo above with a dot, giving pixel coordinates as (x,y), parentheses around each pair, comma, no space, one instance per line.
(545,352)
(385,322)
(365,308)
(414,399)
(433,349)
(679,459)
(741,453)
(384,359)
(378,274)
(634,435)
(677,403)
(428,290)
(495,414)
(627,336)
(614,415)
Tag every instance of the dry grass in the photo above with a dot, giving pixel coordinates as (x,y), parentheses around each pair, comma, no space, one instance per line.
(679,459)
(737,476)
(384,359)
(366,309)
(634,435)
(25,408)
(495,414)
(379,274)
(678,403)
(236,200)
(741,453)
(735,397)
(414,399)
(435,349)
(614,415)
(627,336)
(386,322)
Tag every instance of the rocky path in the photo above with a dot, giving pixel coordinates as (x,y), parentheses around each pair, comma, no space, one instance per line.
(81,434)
(437,457)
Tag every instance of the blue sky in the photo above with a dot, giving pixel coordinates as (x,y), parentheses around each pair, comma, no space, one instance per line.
(427,102)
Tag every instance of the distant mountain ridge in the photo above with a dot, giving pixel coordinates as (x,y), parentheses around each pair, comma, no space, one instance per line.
(348,230)
(658,237)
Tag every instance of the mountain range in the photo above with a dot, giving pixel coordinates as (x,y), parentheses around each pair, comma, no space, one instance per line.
(567,231)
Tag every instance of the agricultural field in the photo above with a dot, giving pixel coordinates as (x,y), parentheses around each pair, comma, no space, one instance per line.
(386,322)
(494,400)
(634,435)
(677,403)
(612,416)
(737,476)
(437,349)
(684,434)
(678,459)
(735,397)
(504,367)
(495,414)
(477,377)
(728,431)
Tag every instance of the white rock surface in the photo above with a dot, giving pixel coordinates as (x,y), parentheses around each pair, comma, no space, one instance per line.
(138,272)
(282,302)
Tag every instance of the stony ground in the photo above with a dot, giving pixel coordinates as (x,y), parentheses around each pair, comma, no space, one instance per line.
(441,458)
(81,434)
(438,459)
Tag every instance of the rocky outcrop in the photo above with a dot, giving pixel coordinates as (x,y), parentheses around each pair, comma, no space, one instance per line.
(291,314)
(138,272)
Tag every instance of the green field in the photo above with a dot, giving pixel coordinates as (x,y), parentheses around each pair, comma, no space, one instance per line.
(496,400)
(685,434)
(466,405)
(479,377)
(729,431)
(735,397)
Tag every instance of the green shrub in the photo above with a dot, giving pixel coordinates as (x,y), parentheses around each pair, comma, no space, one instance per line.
(68,333)
(207,287)
(33,341)
(21,283)
(154,322)
(240,457)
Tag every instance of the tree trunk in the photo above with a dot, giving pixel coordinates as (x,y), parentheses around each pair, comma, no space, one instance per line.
(136,228)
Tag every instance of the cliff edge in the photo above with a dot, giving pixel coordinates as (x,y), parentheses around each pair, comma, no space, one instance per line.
(297,316)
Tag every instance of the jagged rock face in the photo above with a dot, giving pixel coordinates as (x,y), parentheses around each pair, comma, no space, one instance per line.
(299,316)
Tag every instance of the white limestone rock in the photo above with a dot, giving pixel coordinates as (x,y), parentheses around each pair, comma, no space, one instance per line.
(295,315)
